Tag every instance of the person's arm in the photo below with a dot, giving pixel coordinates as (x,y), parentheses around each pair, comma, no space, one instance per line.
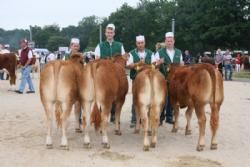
(130,62)
(97,52)
(181,60)
(122,50)
(157,60)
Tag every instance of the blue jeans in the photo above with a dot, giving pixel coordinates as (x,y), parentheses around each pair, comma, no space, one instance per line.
(1,75)
(133,118)
(228,68)
(167,112)
(26,79)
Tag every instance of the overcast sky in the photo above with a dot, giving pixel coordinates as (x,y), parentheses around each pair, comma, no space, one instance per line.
(22,13)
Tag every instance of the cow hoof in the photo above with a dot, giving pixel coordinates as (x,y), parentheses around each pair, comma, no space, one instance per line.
(200,148)
(49,146)
(149,133)
(188,132)
(214,146)
(174,130)
(146,148)
(118,132)
(87,145)
(78,130)
(152,145)
(136,131)
(106,145)
(63,147)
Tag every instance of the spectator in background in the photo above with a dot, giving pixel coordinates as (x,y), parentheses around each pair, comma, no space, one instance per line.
(219,60)
(228,65)
(50,57)
(74,48)
(26,65)
(187,58)
(237,63)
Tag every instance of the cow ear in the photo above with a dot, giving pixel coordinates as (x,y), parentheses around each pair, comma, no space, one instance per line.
(125,56)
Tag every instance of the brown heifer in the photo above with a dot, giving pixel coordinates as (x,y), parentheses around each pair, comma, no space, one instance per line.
(149,93)
(8,61)
(245,64)
(103,82)
(59,90)
(194,87)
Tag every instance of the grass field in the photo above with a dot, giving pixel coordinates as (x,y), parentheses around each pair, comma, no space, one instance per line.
(244,74)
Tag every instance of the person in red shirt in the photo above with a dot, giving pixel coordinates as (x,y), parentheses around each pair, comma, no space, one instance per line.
(237,63)
(26,65)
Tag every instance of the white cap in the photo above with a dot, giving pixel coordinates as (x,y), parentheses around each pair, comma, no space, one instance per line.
(75,40)
(169,35)
(140,38)
(112,26)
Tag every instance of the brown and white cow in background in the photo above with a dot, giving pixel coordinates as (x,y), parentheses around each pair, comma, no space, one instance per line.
(194,87)
(8,62)
(59,90)
(149,93)
(103,83)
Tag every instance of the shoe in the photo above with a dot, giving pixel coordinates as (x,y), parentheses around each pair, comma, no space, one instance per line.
(18,91)
(30,91)
(132,125)
(112,119)
(170,121)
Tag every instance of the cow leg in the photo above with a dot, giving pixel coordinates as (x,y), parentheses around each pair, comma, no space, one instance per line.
(12,82)
(48,106)
(104,117)
(155,121)
(199,110)
(86,119)
(77,110)
(176,116)
(189,113)
(214,123)
(66,109)
(138,118)
(118,108)
(144,117)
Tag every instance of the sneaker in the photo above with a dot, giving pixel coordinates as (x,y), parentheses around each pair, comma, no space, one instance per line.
(18,91)
(30,91)
(170,121)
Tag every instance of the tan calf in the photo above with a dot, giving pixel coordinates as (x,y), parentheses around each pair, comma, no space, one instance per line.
(149,93)
(103,83)
(59,91)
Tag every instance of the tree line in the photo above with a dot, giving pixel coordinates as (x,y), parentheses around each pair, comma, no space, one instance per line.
(199,26)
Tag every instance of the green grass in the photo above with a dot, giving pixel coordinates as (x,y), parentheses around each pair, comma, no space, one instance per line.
(245,74)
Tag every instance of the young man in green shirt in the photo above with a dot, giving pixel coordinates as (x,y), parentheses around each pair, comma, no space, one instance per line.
(139,54)
(107,49)
(166,56)
(110,47)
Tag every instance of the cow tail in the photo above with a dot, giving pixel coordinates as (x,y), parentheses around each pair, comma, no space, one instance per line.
(58,106)
(96,112)
(96,117)
(58,113)
(211,71)
(151,111)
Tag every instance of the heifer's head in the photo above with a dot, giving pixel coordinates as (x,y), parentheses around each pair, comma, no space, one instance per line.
(77,58)
(120,59)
